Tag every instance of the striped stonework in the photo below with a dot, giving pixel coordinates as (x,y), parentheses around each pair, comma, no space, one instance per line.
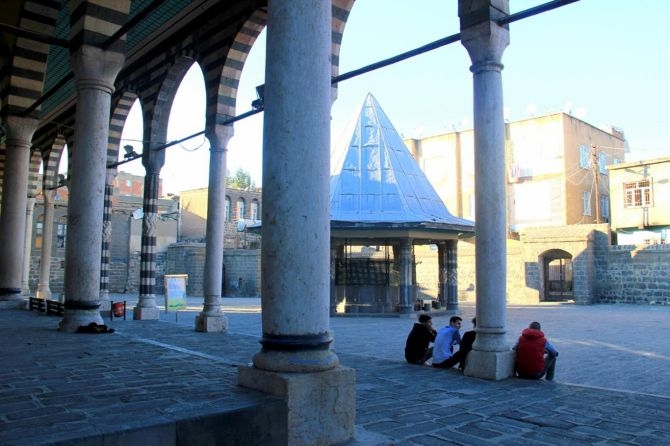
(29,61)
(341,10)
(121,105)
(92,23)
(452,275)
(148,255)
(222,75)
(33,173)
(106,238)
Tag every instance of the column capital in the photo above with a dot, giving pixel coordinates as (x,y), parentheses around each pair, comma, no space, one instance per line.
(20,130)
(219,136)
(95,68)
(481,35)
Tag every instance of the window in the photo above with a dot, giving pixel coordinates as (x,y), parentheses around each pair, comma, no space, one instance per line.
(584,157)
(605,207)
(240,208)
(586,203)
(254,210)
(61,235)
(602,163)
(39,227)
(637,194)
(227,211)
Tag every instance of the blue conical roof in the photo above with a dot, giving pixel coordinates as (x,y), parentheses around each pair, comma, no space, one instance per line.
(374,178)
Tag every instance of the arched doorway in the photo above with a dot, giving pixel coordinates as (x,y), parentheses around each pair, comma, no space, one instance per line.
(556,276)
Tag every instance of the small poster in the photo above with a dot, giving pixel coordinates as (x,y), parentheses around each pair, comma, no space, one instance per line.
(175,291)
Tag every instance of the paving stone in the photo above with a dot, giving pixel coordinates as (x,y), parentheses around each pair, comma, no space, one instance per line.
(154,372)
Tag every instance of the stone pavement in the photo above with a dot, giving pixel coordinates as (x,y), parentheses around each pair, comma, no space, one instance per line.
(612,381)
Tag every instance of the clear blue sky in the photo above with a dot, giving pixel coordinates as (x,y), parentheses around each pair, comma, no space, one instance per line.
(606,60)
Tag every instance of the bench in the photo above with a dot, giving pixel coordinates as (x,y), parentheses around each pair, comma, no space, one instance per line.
(48,306)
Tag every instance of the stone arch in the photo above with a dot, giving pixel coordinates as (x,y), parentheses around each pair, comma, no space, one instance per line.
(341,10)
(556,276)
(121,105)
(33,171)
(51,159)
(156,114)
(222,94)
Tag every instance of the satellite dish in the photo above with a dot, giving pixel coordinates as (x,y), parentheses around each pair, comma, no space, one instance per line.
(241,226)
(138,213)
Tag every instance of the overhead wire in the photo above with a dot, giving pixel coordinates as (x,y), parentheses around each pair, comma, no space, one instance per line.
(334,80)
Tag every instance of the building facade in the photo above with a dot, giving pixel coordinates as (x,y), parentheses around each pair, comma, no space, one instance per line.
(555,164)
(640,211)
(242,208)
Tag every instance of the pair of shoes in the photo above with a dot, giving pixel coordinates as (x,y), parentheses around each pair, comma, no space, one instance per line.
(94,328)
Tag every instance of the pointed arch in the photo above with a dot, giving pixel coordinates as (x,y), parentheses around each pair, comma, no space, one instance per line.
(121,105)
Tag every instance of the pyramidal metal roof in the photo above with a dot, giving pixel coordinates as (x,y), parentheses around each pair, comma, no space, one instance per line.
(375,180)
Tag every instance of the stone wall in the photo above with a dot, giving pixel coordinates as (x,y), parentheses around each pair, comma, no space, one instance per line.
(242,269)
(602,273)
(635,274)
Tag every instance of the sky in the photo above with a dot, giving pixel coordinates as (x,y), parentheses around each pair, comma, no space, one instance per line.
(605,61)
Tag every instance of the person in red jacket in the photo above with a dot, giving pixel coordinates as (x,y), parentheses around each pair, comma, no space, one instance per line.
(535,356)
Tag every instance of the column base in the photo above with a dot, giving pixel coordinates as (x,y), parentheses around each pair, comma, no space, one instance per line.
(105,304)
(304,361)
(402,309)
(11,298)
(43,293)
(490,365)
(210,324)
(146,313)
(73,319)
(321,406)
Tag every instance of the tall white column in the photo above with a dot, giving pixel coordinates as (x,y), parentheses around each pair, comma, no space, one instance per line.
(95,71)
(296,361)
(14,201)
(43,288)
(211,318)
(485,40)
(27,247)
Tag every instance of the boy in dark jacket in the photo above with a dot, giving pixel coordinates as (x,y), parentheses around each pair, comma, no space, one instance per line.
(422,334)
(535,356)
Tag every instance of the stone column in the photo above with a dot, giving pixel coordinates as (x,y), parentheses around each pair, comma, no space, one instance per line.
(406,276)
(334,249)
(442,284)
(452,276)
(27,247)
(105,303)
(95,71)
(14,201)
(296,361)
(485,40)
(43,288)
(211,318)
(146,308)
